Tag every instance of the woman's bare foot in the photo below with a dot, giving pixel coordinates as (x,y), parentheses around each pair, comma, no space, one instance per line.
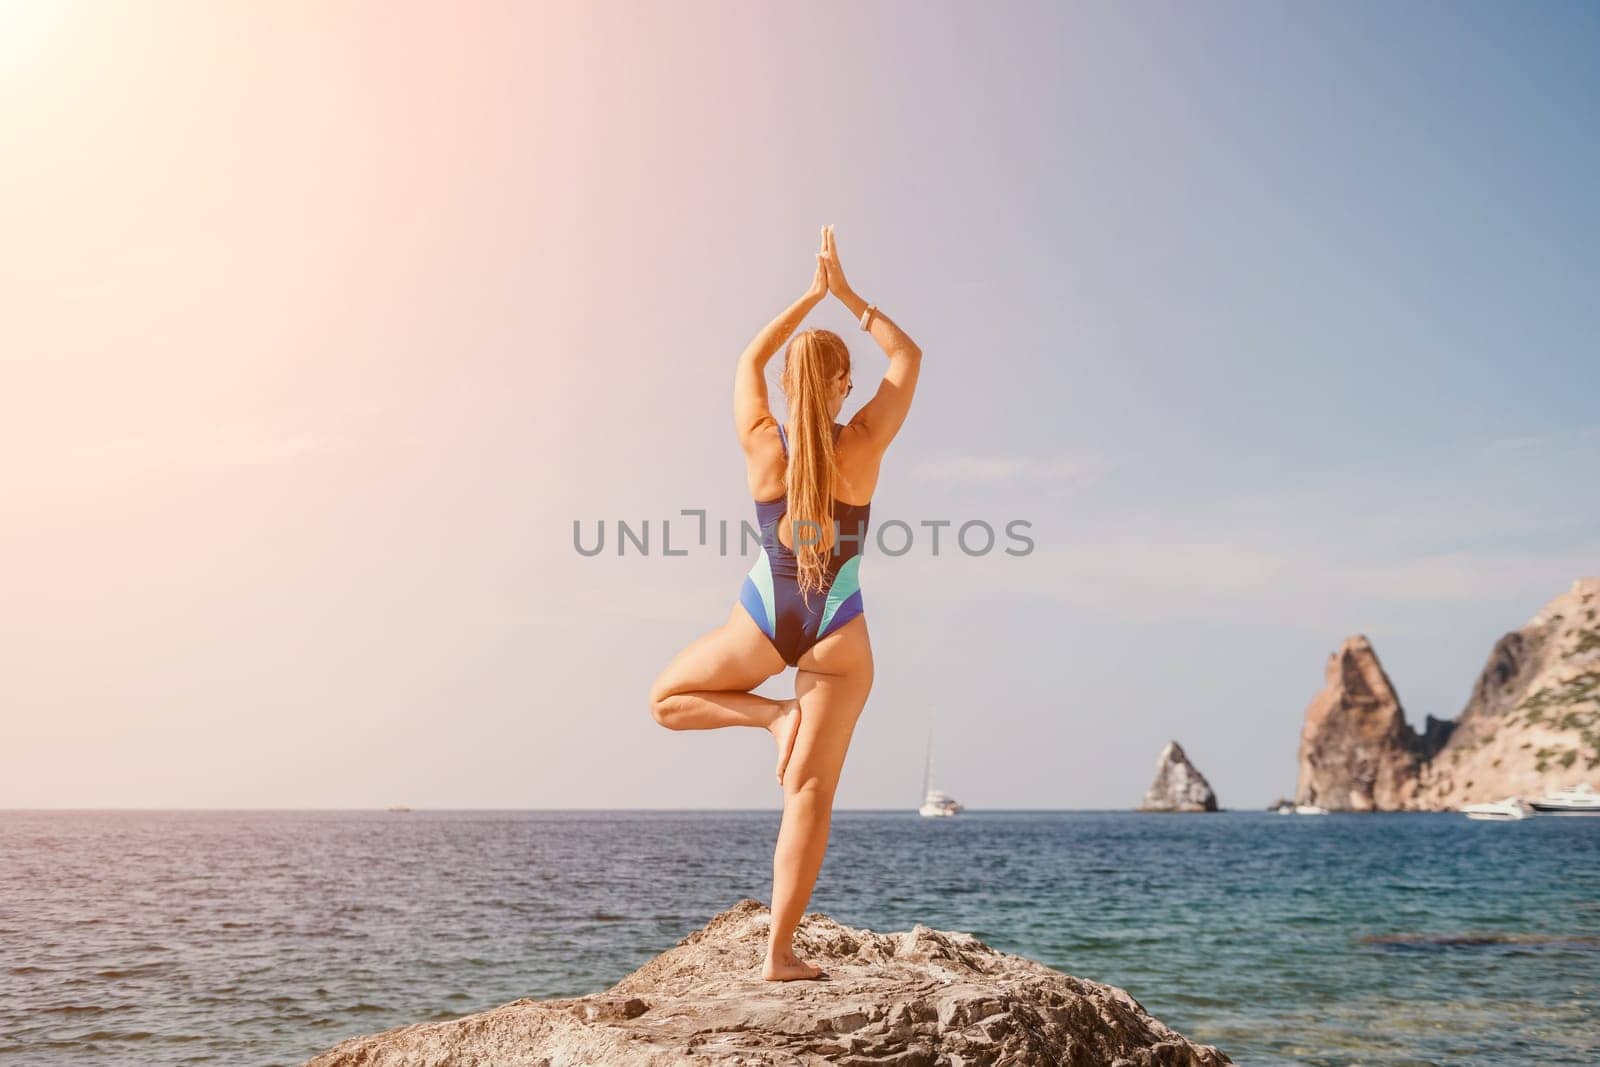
(785,728)
(788,967)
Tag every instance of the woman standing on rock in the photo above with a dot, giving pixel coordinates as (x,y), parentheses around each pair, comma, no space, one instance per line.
(800,605)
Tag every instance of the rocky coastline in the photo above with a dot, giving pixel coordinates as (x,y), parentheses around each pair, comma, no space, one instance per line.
(1530,726)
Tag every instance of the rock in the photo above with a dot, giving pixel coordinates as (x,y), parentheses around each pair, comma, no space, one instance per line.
(912,998)
(1357,752)
(1531,725)
(1179,785)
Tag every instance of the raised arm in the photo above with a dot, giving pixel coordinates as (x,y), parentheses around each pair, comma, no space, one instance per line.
(879,418)
(751,409)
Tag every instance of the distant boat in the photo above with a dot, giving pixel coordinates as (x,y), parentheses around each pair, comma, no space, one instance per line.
(398,807)
(935,803)
(1579,800)
(1499,810)
(1289,807)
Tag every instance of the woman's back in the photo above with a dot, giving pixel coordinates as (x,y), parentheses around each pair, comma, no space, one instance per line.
(774,593)
(844,540)
(856,461)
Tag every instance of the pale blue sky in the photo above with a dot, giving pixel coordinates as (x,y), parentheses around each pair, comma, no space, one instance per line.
(1278,323)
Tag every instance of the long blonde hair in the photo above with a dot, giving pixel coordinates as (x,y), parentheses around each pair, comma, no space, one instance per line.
(812,361)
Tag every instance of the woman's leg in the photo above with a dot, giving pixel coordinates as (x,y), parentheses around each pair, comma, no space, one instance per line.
(832,685)
(707,685)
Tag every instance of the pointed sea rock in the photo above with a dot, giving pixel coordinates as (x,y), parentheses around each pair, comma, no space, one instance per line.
(1179,785)
(1357,752)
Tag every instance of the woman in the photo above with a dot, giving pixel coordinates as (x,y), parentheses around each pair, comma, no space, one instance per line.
(800,605)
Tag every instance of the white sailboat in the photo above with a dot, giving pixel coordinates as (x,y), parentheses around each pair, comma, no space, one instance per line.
(935,803)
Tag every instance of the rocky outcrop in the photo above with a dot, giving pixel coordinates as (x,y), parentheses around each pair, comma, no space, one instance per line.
(918,997)
(1531,725)
(1357,752)
(1179,785)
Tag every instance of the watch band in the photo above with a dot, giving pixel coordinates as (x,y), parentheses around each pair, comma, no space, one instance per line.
(867,314)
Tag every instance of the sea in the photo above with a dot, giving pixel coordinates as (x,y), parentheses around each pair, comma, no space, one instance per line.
(264,937)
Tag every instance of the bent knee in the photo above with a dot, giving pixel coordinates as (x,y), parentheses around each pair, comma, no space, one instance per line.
(662,702)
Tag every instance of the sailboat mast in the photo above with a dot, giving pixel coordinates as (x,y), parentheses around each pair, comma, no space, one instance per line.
(927,774)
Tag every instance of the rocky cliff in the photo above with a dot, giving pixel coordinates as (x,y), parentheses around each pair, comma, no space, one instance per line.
(1531,725)
(1357,752)
(1179,785)
(919,998)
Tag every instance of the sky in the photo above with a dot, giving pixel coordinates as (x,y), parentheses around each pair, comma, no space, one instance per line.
(322,325)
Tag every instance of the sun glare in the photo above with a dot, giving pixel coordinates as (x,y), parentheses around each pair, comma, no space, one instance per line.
(25,26)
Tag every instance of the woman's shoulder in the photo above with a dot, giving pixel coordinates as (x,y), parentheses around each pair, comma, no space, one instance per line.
(763,439)
(852,442)
(857,461)
(764,458)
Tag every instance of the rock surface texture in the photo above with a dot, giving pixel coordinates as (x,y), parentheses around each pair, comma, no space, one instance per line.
(919,997)
(1179,785)
(1532,724)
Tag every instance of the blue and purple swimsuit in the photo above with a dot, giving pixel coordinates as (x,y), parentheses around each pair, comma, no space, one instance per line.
(771,591)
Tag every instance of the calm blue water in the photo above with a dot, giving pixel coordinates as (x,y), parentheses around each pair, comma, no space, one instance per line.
(264,937)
